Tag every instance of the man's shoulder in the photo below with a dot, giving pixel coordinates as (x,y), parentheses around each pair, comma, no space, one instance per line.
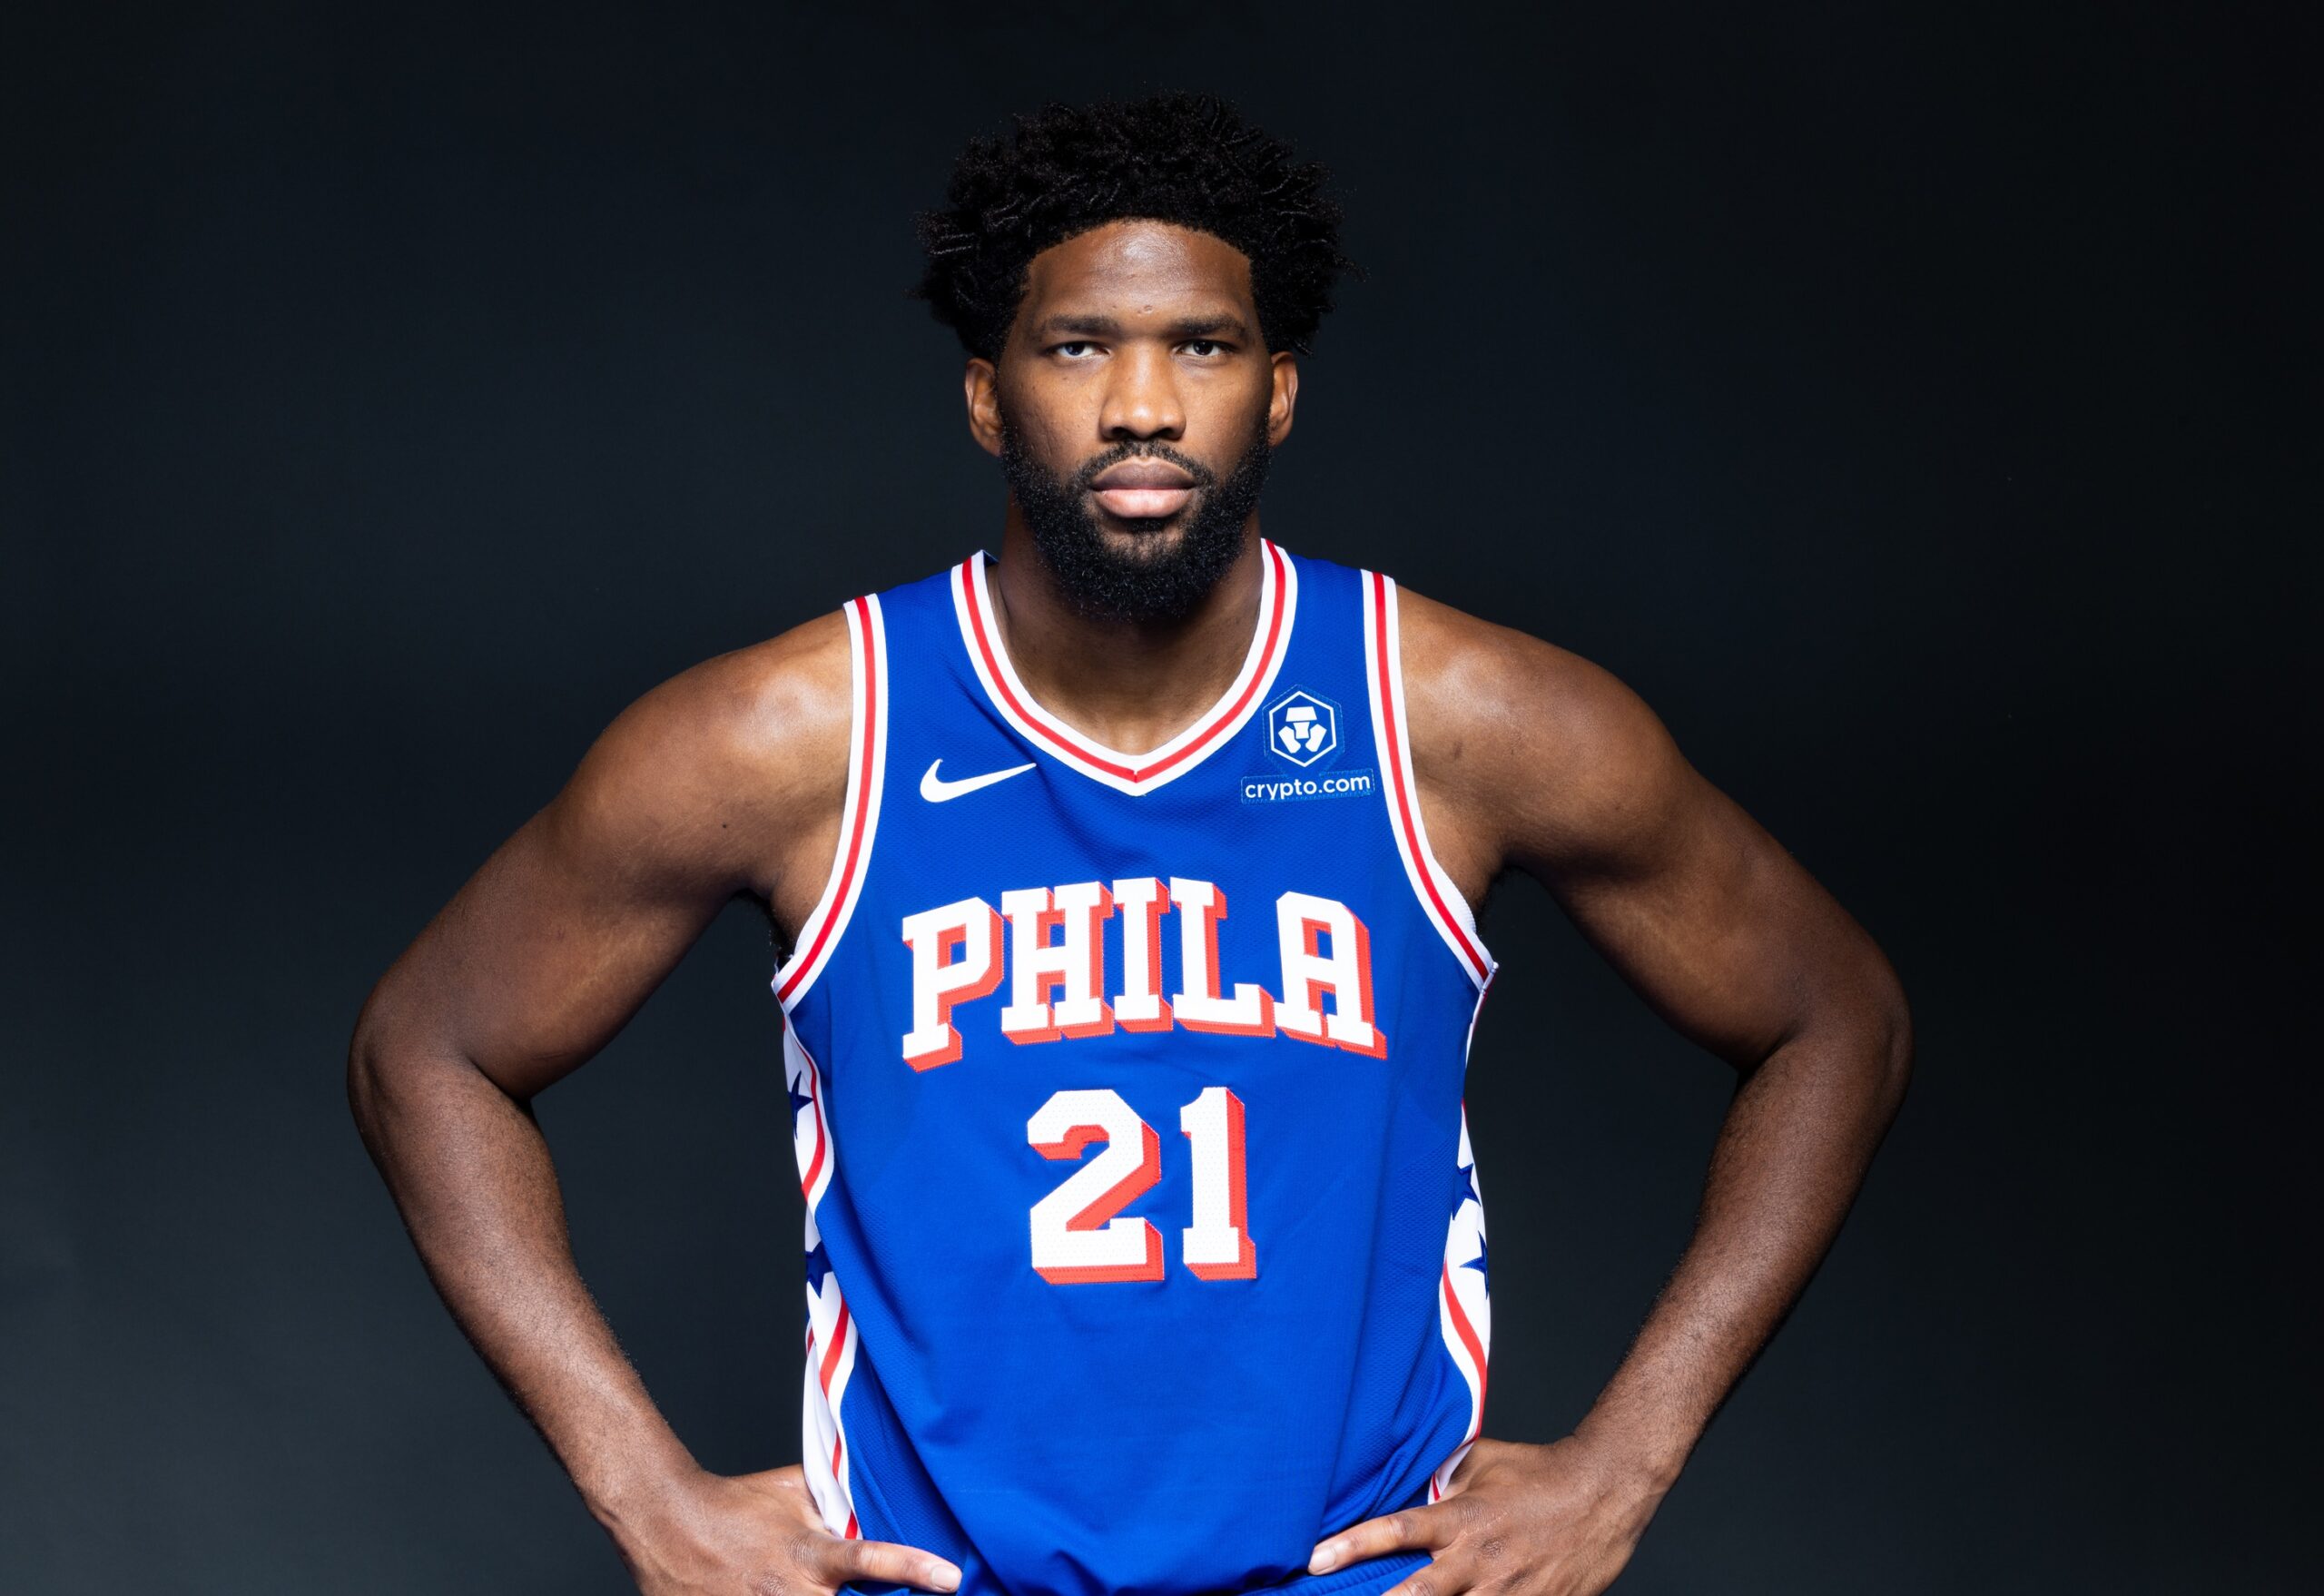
(1474,678)
(775,702)
(1532,736)
(728,758)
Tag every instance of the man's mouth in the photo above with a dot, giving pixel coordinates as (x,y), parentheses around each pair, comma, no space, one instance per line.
(1143,490)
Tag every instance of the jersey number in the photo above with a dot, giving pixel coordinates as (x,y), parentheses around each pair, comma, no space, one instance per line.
(1078,1231)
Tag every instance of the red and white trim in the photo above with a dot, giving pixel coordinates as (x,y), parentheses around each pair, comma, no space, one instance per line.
(832,1336)
(1383,675)
(1464,1308)
(867,767)
(1134,773)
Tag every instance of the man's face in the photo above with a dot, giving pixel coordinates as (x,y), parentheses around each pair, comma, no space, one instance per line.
(1135,410)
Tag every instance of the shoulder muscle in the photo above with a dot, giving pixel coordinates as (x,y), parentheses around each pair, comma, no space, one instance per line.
(1537,757)
(716,778)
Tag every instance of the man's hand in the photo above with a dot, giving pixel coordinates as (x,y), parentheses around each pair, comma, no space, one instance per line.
(759,1535)
(1519,1519)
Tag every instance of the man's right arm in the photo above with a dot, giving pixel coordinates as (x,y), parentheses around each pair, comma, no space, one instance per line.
(725,780)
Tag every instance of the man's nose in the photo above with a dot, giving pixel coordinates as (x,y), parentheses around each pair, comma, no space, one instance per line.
(1142,397)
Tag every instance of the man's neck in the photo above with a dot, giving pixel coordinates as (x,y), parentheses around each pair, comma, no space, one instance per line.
(1129,685)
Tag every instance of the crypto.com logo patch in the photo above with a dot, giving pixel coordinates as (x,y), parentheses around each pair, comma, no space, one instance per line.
(1302,727)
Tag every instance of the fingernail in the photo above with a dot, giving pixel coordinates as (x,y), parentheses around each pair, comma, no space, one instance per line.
(1327,1557)
(948,1578)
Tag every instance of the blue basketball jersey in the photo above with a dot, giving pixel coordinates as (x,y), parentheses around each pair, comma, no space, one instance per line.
(1144,1241)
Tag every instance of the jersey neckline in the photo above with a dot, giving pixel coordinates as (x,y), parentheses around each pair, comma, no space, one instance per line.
(1134,773)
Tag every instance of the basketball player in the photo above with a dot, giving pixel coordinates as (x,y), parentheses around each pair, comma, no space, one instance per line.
(1126,884)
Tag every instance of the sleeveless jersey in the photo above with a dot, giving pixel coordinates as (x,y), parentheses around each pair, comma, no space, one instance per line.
(1144,1241)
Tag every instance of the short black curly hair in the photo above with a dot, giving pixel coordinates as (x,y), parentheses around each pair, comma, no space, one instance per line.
(1178,157)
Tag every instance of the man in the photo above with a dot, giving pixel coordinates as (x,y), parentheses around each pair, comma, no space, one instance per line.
(1146,827)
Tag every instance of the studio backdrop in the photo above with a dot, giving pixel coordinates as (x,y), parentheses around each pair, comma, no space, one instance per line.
(1915,406)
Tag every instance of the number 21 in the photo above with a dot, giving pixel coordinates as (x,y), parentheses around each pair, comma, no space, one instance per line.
(1078,1233)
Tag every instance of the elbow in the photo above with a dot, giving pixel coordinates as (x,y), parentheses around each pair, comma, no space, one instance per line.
(1890,1049)
(366,1081)
(373,1077)
(404,1078)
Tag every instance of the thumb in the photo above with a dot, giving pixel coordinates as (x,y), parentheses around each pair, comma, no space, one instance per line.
(1414,1529)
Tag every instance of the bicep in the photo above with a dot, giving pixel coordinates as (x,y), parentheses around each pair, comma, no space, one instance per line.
(549,948)
(1706,916)
(1710,921)
(545,953)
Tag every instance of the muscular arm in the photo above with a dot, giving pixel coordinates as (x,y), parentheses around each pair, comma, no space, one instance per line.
(1529,758)
(728,779)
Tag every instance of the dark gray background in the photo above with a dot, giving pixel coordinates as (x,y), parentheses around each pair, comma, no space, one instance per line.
(1918,409)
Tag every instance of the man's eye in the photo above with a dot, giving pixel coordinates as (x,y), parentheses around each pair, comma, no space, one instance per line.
(1203,346)
(1067,348)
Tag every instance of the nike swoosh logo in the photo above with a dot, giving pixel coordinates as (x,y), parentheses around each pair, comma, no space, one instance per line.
(936,790)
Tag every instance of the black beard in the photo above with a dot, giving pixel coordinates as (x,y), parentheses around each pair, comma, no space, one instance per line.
(1160,578)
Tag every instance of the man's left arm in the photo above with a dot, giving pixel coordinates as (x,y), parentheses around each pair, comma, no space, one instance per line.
(1528,757)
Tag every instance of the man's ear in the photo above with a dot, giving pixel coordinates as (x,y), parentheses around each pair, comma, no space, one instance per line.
(1285,397)
(982,386)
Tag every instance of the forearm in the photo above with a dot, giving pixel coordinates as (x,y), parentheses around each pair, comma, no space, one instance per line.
(469,1169)
(1787,1165)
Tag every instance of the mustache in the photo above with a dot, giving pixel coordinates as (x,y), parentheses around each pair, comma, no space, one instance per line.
(1091,468)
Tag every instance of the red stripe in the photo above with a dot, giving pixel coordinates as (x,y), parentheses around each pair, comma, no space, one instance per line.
(1393,757)
(862,801)
(1469,1339)
(838,1327)
(1081,750)
(814,1101)
(839,1441)
(839,1345)
(839,1447)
